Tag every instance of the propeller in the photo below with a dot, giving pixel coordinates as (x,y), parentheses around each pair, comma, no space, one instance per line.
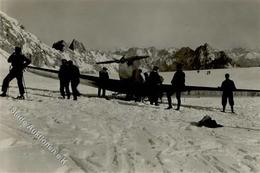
(123,60)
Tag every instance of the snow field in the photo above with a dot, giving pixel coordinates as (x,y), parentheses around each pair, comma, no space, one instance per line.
(118,136)
(97,135)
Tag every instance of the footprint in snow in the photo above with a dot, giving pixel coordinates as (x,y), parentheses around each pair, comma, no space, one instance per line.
(6,143)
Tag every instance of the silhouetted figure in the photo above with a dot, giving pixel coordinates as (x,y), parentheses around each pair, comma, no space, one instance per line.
(145,86)
(154,82)
(146,76)
(228,86)
(178,84)
(74,75)
(137,76)
(138,81)
(19,62)
(103,77)
(160,94)
(64,78)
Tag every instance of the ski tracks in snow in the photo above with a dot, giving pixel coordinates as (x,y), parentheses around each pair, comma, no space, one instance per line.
(108,136)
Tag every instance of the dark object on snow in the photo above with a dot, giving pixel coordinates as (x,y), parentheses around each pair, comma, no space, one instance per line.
(206,121)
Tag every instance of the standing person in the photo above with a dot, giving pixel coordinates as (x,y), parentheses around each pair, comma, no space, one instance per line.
(19,62)
(228,86)
(160,96)
(103,77)
(137,76)
(74,75)
(178,84)
(64,78)
(146,76)
(145,86)
(154,82)
(138,81)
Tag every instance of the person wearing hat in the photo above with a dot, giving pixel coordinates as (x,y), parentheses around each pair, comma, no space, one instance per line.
(19,62)
(103,77)
(64,78)
(178,84)
(154,81)
(228,86)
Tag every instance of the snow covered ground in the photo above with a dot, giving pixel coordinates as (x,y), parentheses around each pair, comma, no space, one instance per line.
(97,135)
(245,78)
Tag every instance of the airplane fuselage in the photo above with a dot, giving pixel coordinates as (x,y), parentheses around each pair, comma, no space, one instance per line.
(126,70)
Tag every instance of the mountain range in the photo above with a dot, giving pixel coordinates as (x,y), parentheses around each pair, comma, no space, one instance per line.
(13,33)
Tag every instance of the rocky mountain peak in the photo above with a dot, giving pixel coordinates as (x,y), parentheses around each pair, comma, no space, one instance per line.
(42,55)
(206,49)
(60,45)
(75,45)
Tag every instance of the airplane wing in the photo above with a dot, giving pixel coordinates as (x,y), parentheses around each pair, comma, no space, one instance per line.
(167,87)
(108,62)
(122,86)
(123,59)
(201,88)
(111,84)
(134,58)
(111,61)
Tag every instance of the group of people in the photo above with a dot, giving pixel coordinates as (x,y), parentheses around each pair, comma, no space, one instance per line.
(150,85)
(69,73)
(154,81)
(178,86)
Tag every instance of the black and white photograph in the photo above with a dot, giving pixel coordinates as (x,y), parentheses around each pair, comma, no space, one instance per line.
(130,86)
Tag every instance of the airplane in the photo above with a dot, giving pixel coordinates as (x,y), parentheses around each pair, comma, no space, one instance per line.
(126,66)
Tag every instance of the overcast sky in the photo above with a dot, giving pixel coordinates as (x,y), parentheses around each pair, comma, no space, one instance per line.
(109,24)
